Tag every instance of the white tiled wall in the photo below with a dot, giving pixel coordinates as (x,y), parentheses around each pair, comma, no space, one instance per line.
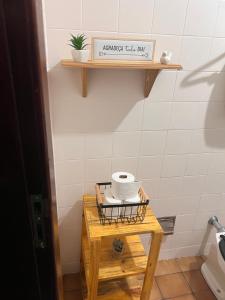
(174,140)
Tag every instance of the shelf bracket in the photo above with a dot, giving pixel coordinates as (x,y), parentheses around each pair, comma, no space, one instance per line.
(150,77)
(84,79)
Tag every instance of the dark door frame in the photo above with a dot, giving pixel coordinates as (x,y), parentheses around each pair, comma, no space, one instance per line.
(27,118)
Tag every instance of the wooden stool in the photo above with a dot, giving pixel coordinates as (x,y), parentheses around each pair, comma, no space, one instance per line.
(101,267)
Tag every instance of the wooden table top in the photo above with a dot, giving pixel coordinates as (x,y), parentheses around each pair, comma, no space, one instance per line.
(97,230)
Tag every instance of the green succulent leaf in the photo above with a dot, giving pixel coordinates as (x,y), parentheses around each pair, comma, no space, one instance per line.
(78,42)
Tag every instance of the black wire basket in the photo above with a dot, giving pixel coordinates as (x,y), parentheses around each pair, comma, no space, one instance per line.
(129,213)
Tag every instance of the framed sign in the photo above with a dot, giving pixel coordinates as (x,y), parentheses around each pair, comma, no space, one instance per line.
(122,49)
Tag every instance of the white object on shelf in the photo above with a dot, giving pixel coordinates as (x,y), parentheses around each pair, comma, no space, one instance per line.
(109,199)
(132,210)
(166,57)
(124,185)
(80,55)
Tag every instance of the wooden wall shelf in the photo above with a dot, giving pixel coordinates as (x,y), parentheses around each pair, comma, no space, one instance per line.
(152,70)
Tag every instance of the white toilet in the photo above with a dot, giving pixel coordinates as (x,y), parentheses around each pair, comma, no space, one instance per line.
(213,269)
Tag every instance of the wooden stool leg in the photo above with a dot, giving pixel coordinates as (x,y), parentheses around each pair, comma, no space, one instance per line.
(95,248)
(151,265)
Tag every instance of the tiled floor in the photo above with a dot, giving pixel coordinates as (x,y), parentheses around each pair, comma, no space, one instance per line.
(178,279)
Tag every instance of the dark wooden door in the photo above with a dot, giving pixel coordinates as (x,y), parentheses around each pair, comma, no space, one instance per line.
(24,173)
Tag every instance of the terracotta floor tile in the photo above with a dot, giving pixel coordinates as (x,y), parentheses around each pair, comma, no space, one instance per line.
(190,263)
(155,294)
(186,297)
(165,267)
(196,280)
(173,285)
(73,295)
(205,295)
(71,282)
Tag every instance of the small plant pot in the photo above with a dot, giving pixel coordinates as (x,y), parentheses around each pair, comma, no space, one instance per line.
(80,55)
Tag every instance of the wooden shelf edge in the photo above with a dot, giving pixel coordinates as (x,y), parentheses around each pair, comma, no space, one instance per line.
(152,70)
(142,65)
(128,288)
(132,262)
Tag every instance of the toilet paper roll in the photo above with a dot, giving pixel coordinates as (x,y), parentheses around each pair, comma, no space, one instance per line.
(109,199)
(132,210)
(124,186)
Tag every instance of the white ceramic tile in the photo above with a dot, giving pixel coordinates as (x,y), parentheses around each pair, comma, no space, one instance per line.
(156,115)
(98,170)
(218,88)
(167,242)
(221,212)
(178,141)
(135,16)
(70,218)
(173,165)
(130,120)
(188,251)
(201,17)
(69,195)
(215,117)
(98,145)
(192,86)
(217,55)
(193,185)
(222,203)
(215,183)
(170,187)
(197,164)
(69,246)
(209,202)
(167,80)
(89,187)
(114,91)
(63,15)
(167,254)
(220,22)
(153,142)
(149,167)
(202,114)
(96,115)
(182,239)
(100,15)
(125,164)
(126,143)
(165,207)
(214,139)
(170,43)
(195,52)
(151,188)
(199,143)
(68,147)
(57,46)
(69,172)
(217,164)
(184,115)
(169,17)
(184,223)
(188,204)
(197,237)
(201,220)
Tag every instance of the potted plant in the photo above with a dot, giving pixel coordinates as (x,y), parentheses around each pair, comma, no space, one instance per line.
(79,51)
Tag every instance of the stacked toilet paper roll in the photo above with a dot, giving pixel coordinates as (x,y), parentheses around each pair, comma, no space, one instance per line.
(124,190)
(124,186)
(110,200)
